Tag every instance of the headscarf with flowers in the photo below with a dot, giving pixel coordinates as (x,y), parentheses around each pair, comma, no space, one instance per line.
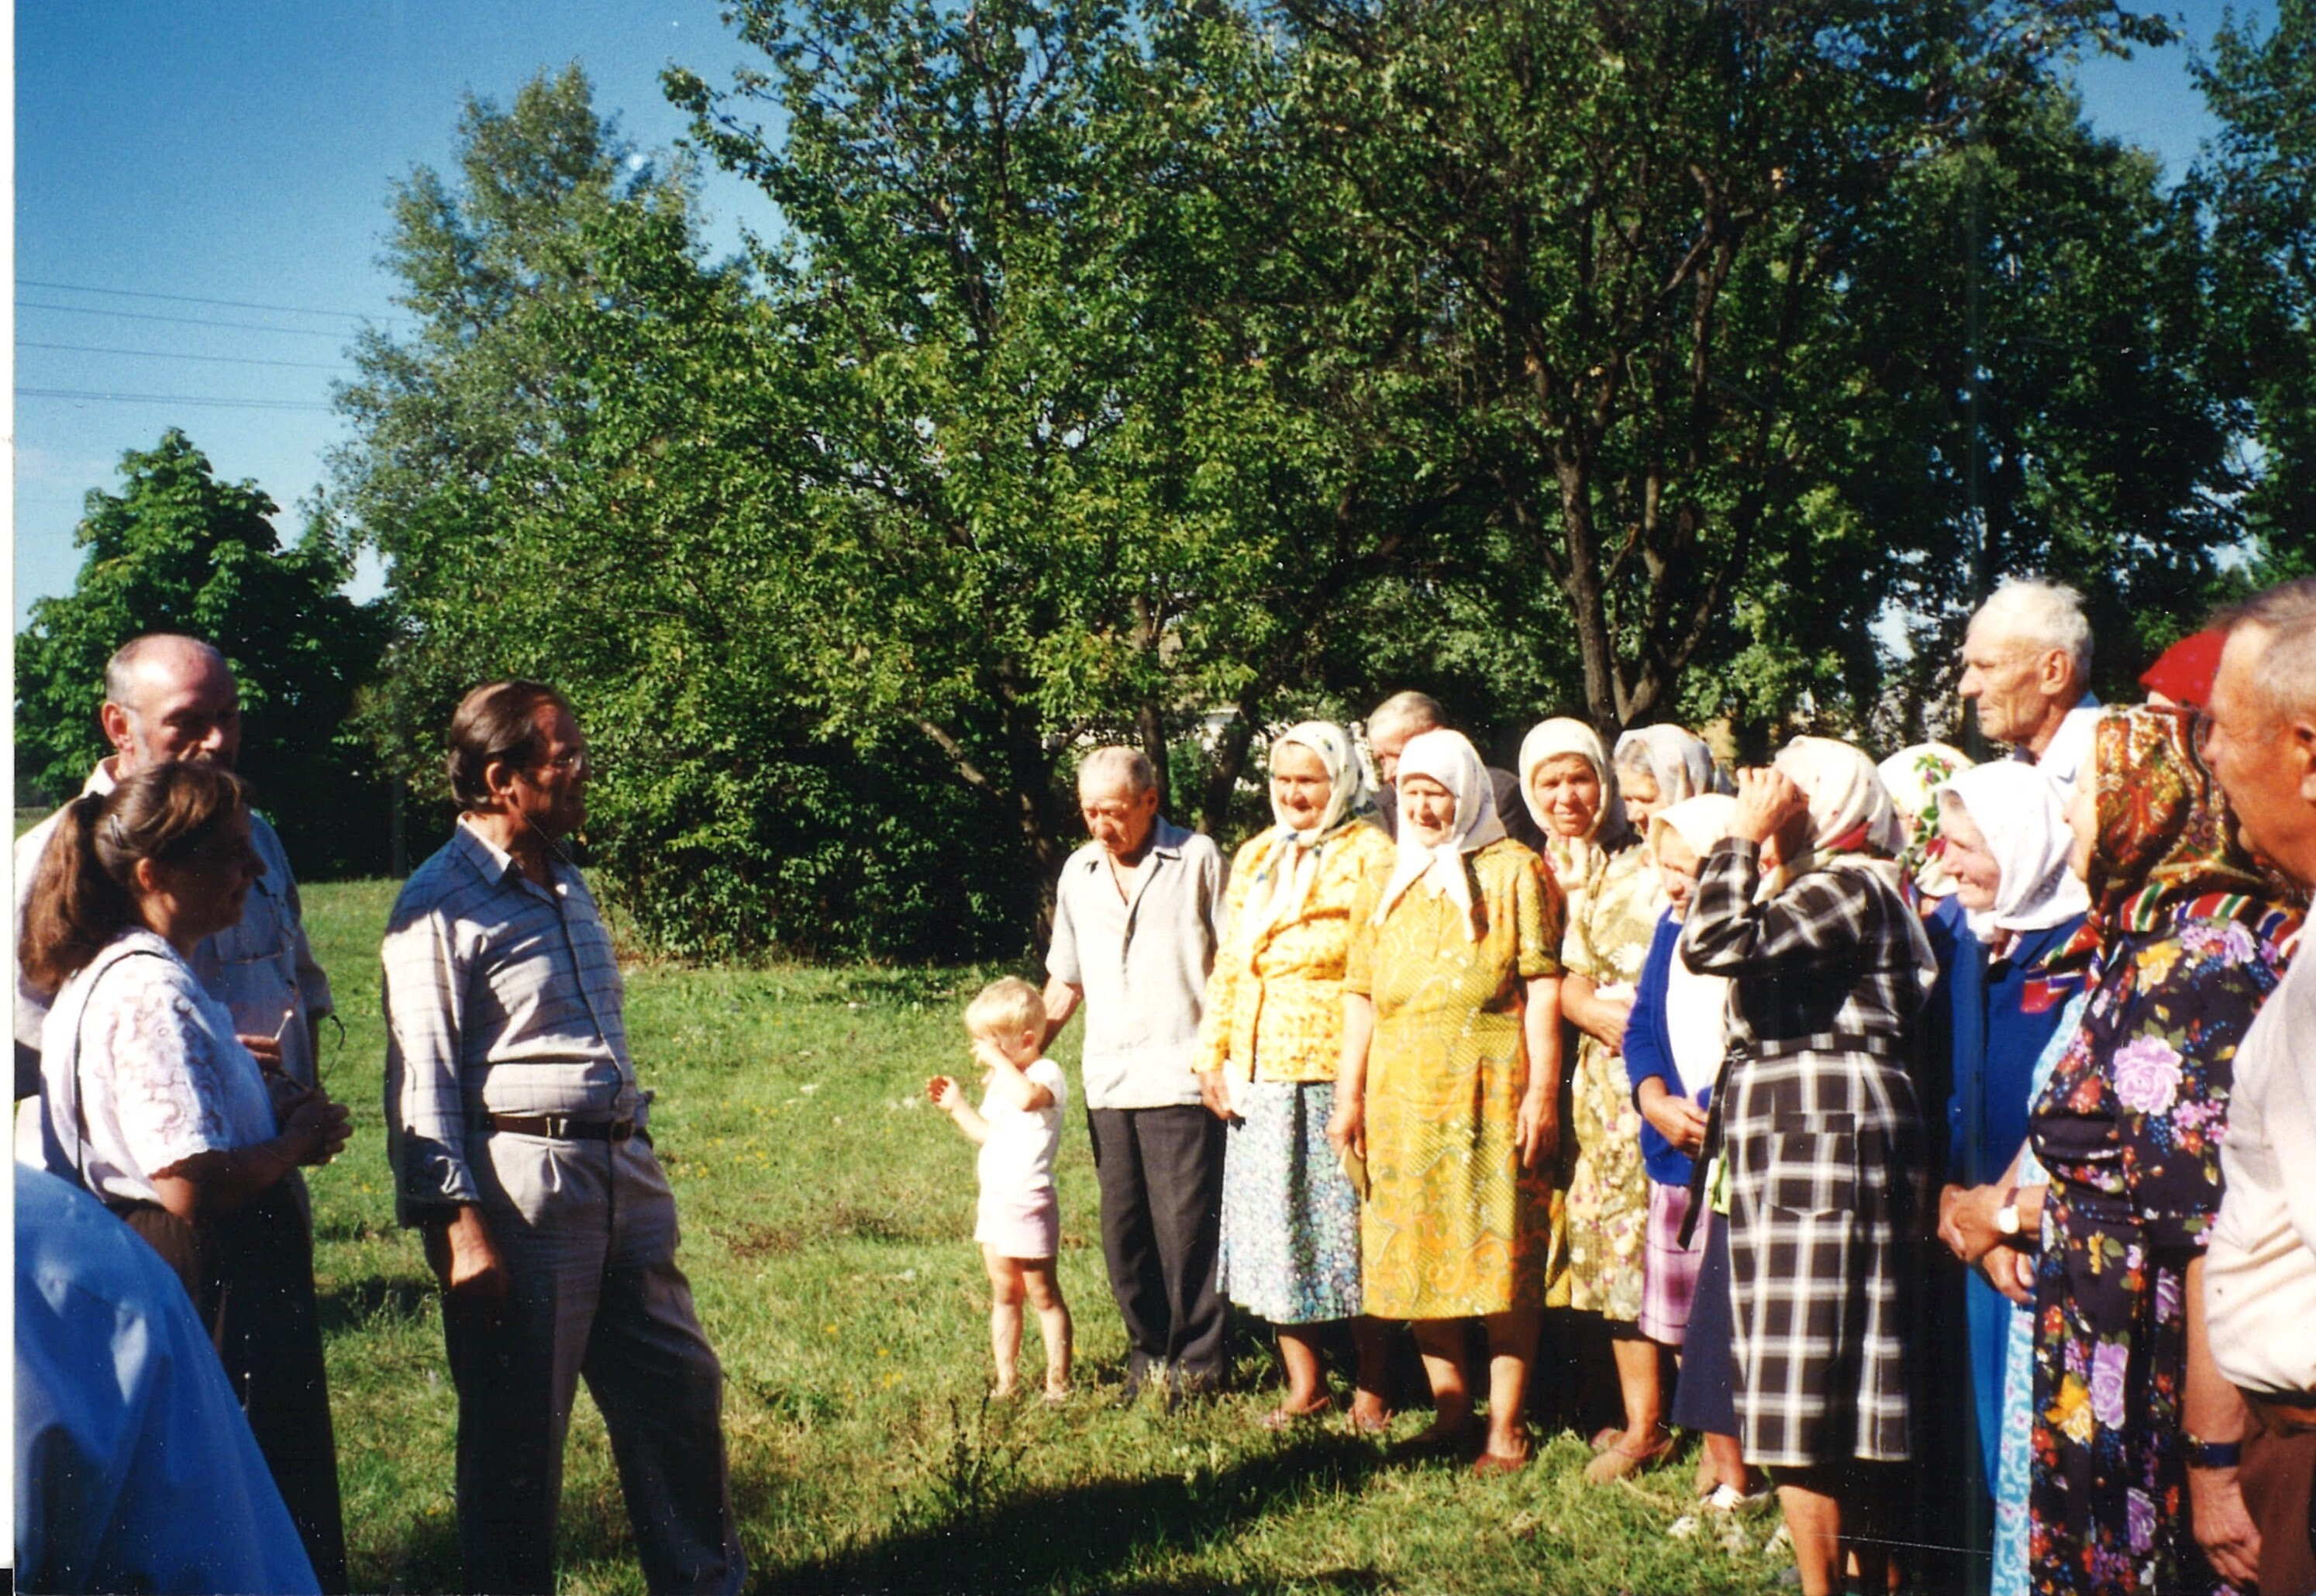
(2165,841)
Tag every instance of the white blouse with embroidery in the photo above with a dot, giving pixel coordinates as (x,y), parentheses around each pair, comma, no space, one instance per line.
(161,1075)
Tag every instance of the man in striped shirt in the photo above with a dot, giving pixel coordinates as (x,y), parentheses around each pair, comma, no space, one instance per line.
(516,1132)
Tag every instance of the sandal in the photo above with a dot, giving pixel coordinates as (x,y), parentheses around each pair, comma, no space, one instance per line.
(1620,1460)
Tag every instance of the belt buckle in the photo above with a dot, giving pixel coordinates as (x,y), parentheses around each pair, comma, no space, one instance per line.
(619,1130)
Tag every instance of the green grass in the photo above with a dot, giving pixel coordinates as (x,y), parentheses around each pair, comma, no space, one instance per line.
(826,1217)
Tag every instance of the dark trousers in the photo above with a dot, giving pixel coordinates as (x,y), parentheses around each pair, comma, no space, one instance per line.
(2279,1463)
(1161,1172)
(251,1273)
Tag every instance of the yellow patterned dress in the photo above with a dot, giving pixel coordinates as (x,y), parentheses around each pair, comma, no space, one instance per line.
(1607,1208)
(1452,1227)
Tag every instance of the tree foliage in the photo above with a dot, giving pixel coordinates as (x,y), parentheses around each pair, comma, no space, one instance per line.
(1165,373)
(178,550)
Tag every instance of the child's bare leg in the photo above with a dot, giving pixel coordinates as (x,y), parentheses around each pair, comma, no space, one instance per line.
(1044,1284)
(1006,1293)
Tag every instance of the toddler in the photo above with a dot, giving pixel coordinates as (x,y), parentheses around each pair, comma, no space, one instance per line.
(1018,1127)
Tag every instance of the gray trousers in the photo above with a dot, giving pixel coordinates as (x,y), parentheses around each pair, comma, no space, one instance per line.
(588,1234)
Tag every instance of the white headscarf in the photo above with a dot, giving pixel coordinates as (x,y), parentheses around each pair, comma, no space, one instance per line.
(1696,1007)
(1682,763)
(1852,820)
(1449,759)
(2021,813)
(1288,867)
(1573,859)
(1912,775)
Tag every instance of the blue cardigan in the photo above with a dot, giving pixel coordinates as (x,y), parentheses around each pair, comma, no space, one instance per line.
(1996,1041)
(1648,1052)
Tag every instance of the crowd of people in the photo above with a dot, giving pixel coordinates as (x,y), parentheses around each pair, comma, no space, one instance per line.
(1769,1099)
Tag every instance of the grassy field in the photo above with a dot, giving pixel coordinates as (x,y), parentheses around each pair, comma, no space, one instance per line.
(826,1215)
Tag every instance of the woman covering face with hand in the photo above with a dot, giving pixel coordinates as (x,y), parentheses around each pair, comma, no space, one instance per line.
(1818,1137)
(1267,1052)
(1451,1039)
(150,1100)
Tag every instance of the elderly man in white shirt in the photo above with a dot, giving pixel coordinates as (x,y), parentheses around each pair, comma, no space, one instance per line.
(169,697)
(2259,1273)
(2025,664)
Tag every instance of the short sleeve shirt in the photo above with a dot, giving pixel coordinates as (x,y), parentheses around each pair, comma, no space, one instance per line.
(1141,963)
(1018,1158)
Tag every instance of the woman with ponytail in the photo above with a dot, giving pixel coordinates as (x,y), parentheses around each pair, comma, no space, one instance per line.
(150,1101)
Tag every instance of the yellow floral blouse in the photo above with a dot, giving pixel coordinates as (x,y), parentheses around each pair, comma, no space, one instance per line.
(1275,1012)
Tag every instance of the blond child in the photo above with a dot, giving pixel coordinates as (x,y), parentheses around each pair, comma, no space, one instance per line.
(1018,1127)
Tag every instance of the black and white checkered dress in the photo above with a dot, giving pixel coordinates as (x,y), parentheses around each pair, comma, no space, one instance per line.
(1823,1137)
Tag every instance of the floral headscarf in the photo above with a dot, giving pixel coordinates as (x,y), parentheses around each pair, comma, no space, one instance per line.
(2164,832)
(1913,776)
(1449,759)
(1290,865)
(1574,859)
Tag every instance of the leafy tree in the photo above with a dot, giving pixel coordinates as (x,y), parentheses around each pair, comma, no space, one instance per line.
(178,550)
(2258,184)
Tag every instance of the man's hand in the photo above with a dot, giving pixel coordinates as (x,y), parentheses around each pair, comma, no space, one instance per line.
(1767,798)
(467,1262)
(266,1050)
(1215,1092)
(326,1125)
(2224,1525)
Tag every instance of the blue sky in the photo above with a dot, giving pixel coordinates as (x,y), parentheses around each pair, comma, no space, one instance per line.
(180,167)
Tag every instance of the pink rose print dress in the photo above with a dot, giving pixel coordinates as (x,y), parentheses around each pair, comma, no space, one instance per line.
(2129,1128)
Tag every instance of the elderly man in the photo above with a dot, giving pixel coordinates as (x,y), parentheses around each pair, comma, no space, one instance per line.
(2025,664)
(170,697)
(2259,1272)
(1401,717)
(516,1133)
(1136,918)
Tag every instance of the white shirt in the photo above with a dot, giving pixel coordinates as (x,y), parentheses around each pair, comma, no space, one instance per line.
(2070,751)
(260,968)
(152,1060)
(1018,1158)
(2259,1272)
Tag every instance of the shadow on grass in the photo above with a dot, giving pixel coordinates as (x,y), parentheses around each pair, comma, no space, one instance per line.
(1084,1534)
(357,1303)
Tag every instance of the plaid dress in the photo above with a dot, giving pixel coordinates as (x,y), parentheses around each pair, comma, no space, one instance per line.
(1822,1137)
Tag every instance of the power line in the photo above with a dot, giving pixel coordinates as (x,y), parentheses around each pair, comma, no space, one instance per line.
(85,394)
(123,293)
(189,321)
(164,354)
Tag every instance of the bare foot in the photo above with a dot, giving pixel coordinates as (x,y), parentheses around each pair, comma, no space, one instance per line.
(1057,1391)
(1370,1416)
(1003,1389)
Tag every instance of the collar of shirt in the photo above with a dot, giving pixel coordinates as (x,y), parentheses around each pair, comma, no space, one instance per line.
(1166,841)
(496,866)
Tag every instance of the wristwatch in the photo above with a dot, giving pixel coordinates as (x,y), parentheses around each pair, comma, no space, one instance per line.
(2005,1217)
(2213,1454)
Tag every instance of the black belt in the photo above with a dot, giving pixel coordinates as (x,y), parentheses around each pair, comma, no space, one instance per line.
(561,1127)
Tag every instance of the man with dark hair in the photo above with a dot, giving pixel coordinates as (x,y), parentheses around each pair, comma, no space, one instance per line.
(516,1133)
(2259,1272)
(169,697)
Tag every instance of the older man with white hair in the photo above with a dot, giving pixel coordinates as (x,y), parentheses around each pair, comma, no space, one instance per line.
(2027,662)
(170,697)
(1136,918)
(2259,1272)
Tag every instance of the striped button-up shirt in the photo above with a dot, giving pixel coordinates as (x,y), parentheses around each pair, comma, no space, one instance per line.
(502,996)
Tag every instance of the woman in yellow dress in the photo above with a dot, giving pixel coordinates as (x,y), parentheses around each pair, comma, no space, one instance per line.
(1449,1088)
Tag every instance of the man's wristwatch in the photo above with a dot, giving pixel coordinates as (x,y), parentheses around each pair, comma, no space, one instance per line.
(2213,1454)
(2005,1217)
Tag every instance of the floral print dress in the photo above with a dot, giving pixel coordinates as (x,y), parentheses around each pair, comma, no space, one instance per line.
(1609,930)
(2129,1128)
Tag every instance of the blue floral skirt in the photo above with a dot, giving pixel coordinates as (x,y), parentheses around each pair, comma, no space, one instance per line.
(1290,1239)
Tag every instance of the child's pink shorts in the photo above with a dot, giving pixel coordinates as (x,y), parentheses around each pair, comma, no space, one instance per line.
(1020,1223)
